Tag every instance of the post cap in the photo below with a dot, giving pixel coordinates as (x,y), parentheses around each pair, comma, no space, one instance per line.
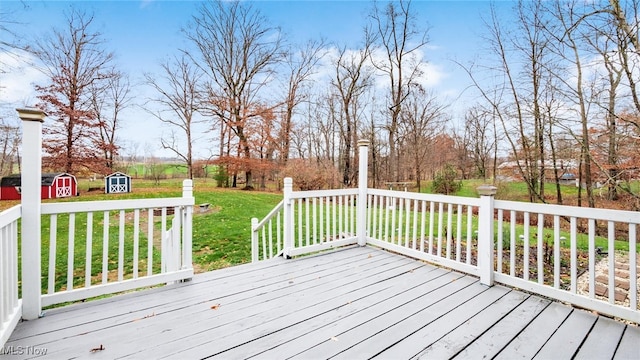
(31,114)
(363,142)
(487,190)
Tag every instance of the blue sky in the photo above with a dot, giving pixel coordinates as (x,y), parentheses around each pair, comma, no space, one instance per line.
(142,33)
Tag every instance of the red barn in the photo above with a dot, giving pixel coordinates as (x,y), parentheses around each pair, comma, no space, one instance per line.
(54,185)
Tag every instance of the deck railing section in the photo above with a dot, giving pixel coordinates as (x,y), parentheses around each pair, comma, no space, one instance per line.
(10,303)
(321,220)
(102,247)
(306,221)
(267,235)
(550,250)
(555,250)
(437,228)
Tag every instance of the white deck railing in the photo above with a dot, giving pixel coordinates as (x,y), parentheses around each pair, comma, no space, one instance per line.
(538,249)
(148,243)
(436,228)
(122,244)
(550,250)
(306,221)
(267,235)
(93,248)
(10,303)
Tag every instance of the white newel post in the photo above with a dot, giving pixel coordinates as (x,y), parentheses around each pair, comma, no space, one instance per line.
(485,234)
(32,120)
(288,217)
(187,227)
(363,170)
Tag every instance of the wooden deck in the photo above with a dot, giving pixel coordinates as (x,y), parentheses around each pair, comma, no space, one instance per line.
(351,304)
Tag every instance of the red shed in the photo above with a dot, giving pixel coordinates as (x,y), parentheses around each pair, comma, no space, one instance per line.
(54,185)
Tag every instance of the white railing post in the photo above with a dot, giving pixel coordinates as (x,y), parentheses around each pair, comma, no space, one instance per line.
(32,120)
(363,169)
(187,227)
(288,217)
(254,240)
(485,234)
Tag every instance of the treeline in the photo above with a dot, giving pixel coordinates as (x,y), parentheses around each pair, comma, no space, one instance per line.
(556,93)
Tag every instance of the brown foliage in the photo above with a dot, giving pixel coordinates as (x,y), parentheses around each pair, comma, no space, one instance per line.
(311,174)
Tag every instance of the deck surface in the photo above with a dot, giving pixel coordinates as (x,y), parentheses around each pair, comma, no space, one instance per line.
(350,304)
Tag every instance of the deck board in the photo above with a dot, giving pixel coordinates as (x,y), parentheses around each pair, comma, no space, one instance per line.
(468,331)
(569,336)
(601,343)
(529,341)
(497,337)
(354,303)
(629,347)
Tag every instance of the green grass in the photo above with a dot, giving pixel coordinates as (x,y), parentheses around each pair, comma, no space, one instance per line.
(513,190)
(222,236)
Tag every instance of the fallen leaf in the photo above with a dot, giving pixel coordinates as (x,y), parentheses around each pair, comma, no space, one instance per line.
(98,348)
(145,317)
(370,256)
(333,338)
(215,307)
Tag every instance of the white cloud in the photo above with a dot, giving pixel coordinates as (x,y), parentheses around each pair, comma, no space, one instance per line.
(433,75)
(16,84)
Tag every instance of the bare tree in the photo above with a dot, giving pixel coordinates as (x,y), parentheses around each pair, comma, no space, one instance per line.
(522,53)
(179,99)
(300,65)
(423,118)
(108,104)
(568,46)
(350,81)
(76,63)
(401,39)
(480,139)
(627,22)
(9,148)
(237,49)
(10,41)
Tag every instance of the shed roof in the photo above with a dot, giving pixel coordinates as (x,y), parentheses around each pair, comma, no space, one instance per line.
(117,173)
(16,179)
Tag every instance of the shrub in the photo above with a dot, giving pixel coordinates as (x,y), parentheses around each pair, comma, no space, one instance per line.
(221,177)
(445,181)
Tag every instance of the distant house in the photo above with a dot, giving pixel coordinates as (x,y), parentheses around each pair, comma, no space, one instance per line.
(567,179)
(54,185)
(510,170)
(117,183)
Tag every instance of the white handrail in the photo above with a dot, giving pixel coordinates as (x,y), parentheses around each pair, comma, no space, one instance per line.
(10,303)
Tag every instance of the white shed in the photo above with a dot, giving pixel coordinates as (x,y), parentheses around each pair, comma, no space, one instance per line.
(117,183)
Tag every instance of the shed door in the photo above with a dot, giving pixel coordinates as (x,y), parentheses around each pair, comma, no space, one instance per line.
(63,186)
(118,184)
